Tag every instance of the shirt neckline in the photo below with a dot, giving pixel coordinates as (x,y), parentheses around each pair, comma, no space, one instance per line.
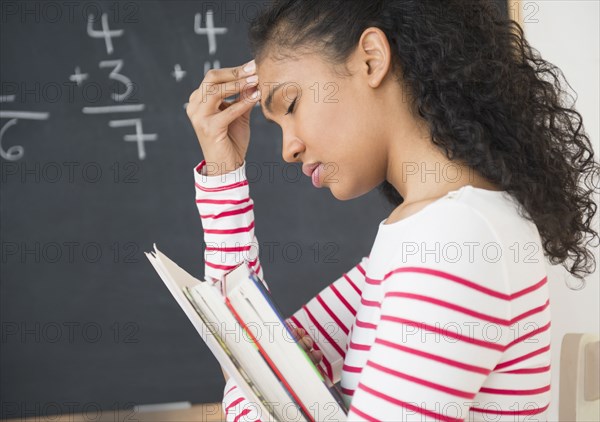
(451,194)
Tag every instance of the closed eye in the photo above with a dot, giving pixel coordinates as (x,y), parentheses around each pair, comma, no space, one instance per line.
(291,108)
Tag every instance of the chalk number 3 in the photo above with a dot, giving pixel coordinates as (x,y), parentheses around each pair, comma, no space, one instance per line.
(115,75)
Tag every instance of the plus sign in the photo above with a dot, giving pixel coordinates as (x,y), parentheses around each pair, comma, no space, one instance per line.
(178,73)
(78,76)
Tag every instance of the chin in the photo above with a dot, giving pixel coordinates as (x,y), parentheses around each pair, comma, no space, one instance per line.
(345,194)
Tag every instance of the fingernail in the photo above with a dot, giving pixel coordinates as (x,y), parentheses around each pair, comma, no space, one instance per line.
(252,79)
(255,95)
(250,67)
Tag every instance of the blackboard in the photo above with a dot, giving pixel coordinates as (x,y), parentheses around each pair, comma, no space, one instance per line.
(87,325)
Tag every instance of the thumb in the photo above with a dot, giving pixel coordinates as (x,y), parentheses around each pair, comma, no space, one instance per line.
(246,115)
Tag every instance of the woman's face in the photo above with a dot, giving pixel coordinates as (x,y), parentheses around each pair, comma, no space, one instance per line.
(339,122)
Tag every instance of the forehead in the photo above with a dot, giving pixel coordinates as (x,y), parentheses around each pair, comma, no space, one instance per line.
(272,68)
(282,77)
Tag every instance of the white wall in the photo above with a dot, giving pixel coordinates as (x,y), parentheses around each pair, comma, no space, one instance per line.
(566,33)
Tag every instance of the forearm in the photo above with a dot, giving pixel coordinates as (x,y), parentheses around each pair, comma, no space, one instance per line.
(227,214)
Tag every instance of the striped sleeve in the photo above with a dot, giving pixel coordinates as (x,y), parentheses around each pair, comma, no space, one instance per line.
(227,215)
(226,212)
(443,328)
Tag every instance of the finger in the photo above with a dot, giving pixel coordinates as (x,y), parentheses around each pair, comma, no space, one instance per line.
(316,356)
(299,332)
(308,342)
(299,337)
(214,92)
(210,96)
(295,334)
(227,74)
(246,115)
(235,110)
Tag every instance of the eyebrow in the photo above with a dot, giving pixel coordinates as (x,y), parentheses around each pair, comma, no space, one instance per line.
(269,101)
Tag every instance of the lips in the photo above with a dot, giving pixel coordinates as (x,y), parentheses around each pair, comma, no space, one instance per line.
(308,169)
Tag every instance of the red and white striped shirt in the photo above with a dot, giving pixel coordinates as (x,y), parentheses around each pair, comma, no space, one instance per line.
(447,318)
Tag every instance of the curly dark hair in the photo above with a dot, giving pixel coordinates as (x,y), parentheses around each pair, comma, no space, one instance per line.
(489,99)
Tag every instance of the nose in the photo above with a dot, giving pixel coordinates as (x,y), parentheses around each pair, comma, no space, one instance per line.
(292,148)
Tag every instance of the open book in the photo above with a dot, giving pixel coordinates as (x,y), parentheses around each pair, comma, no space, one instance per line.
(244,329)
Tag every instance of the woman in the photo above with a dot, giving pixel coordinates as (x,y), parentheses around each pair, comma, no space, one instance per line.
(447,108)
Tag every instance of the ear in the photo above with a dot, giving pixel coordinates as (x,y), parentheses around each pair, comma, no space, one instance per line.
(374,53)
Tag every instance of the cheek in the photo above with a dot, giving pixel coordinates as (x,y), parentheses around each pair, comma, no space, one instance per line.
(338,134)
(325,119)
(332,126)
(352,163)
